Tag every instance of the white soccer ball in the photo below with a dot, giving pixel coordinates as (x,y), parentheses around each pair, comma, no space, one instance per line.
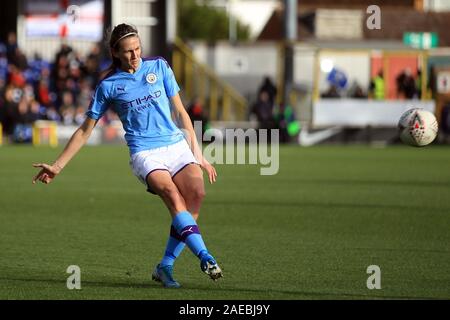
(418,127)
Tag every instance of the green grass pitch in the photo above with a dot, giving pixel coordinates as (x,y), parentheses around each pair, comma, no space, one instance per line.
(309,232)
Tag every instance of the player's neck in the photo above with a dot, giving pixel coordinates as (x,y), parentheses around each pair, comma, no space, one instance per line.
(131,69)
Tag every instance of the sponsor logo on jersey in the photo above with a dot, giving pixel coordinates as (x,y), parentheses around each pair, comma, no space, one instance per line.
(139,101)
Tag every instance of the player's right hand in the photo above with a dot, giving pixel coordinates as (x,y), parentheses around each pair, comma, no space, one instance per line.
(47,173)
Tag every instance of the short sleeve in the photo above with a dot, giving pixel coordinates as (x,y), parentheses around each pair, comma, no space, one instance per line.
(99,103)
(170,83)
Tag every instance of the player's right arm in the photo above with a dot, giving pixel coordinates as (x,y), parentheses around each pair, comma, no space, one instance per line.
(97,108)
(78,139)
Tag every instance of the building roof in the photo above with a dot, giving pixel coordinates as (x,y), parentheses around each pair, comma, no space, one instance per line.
(365,44)
(395,21)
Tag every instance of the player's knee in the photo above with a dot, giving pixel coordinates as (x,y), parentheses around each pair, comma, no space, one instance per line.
(198,194)
(170,193)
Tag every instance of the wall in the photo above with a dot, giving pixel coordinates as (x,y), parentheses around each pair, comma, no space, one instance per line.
(245,65)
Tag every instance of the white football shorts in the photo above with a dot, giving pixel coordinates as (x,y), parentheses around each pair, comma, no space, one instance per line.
(172,158)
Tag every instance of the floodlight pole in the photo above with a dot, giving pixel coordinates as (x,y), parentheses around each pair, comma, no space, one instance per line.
(290,36)
(232,28)
(171,18)
(171,21)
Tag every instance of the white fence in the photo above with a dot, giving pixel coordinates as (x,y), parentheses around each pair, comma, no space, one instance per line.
(362,113)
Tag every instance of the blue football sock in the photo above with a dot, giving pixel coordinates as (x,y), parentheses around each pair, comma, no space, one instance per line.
(188,230)
(173,248)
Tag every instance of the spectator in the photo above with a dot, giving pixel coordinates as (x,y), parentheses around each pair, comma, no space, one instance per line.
(43,92)
(91,66)
(20,60)
(52,114)
(16,77)
(84,97)
(10,109)
(406,85)
(79,116)
(38,68)
(377,87)
(196,113)
(359,93)
(64,51)
(3,63)
(28,112)
(269,88)
(332,92)
(263,110)
(286,122)
(11,46)
(60,74)
(67,108)
(40,90)
(419,84)
(356,91)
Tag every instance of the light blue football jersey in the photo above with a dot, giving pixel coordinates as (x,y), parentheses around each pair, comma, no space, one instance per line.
(142,102)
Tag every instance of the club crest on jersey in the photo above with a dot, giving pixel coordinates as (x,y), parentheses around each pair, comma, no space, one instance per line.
(151,78)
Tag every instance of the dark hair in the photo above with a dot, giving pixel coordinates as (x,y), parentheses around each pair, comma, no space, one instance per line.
(120,32)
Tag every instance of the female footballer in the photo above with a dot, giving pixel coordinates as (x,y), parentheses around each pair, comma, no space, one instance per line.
(170,163)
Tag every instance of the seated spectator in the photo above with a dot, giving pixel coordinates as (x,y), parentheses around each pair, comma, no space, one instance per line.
(80,115)
(67,108)
(52,114)
(356,91)
(3,63)
(39,89)
(331,93)
(10,109)
(43,92)
(16,77)
(27,113)
(85,94)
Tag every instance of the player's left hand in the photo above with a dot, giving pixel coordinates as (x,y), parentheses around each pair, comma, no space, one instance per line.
(210,170)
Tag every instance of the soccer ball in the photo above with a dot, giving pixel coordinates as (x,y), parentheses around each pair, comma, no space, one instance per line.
(418,127)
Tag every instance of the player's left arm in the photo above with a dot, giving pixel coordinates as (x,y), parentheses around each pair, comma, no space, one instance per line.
(186,124)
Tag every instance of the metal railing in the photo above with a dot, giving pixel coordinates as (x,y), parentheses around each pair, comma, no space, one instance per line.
(222,102)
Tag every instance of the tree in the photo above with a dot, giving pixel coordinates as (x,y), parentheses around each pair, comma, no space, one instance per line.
(206,23)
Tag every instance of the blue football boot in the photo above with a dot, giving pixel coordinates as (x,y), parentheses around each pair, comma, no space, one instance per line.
(164,275)
(209,266)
